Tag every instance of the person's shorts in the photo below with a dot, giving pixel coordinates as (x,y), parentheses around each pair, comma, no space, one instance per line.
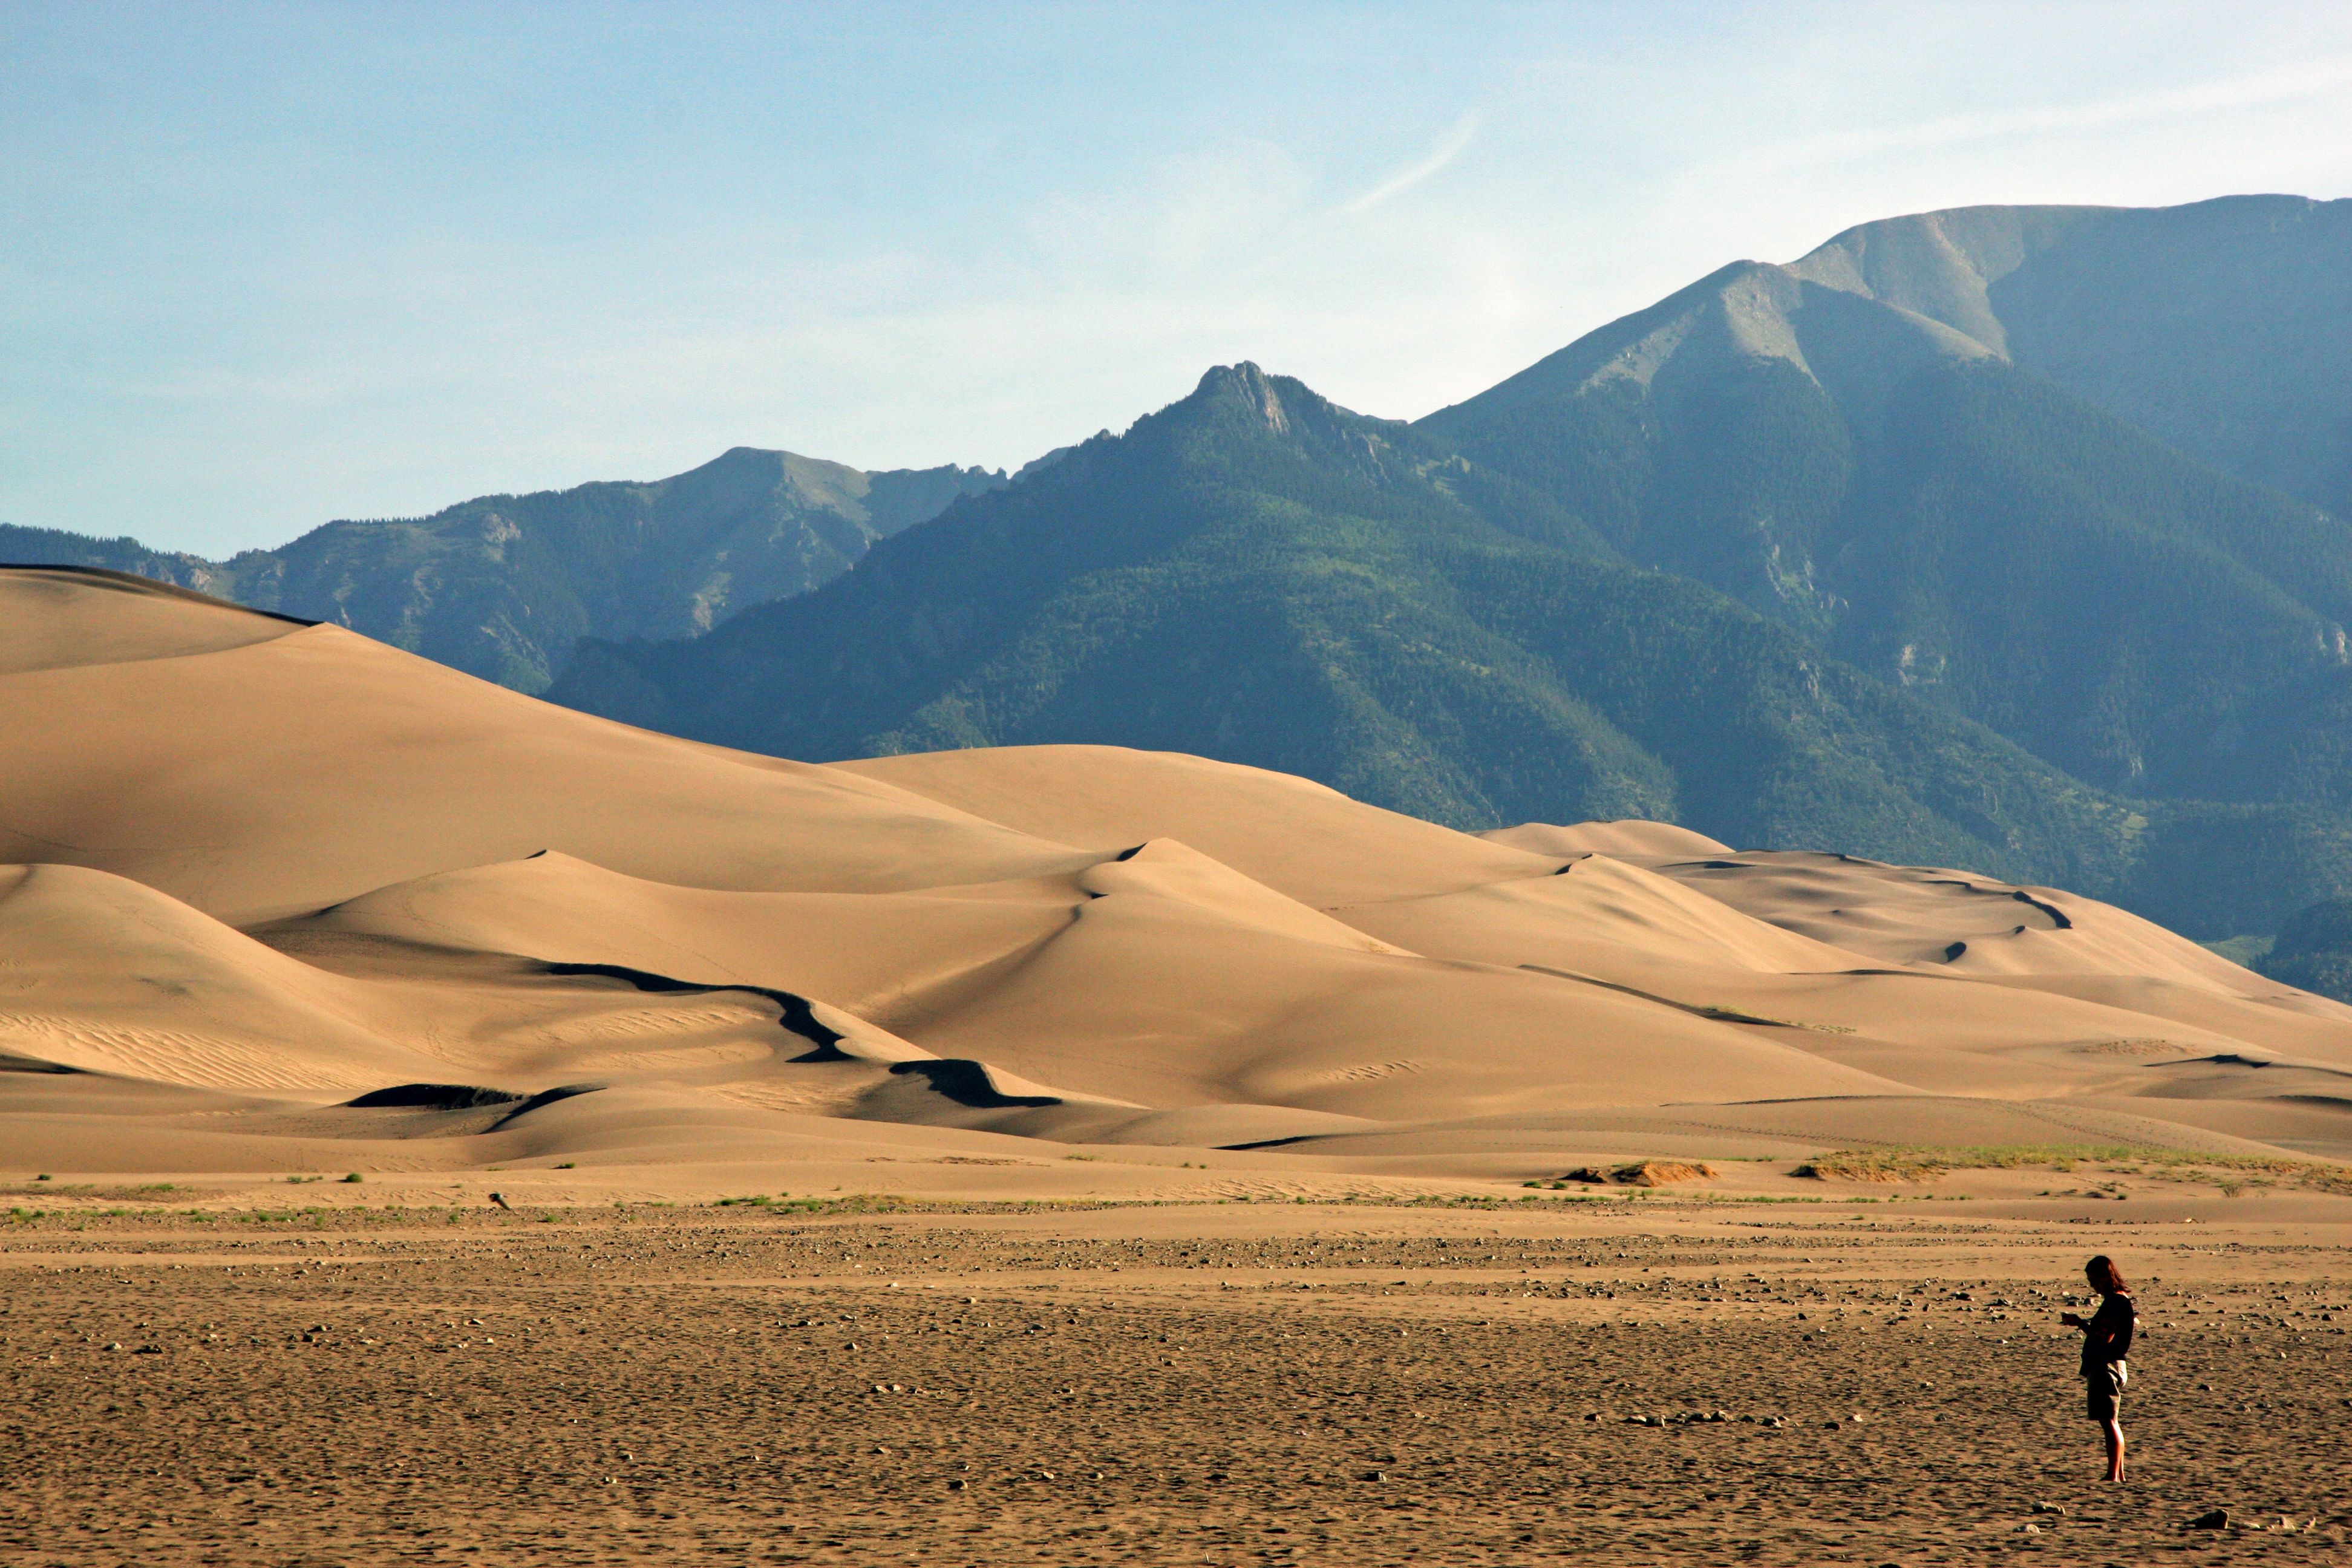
(2106,1390)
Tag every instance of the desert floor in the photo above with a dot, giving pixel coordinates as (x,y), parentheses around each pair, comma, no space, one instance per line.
(1192,1382)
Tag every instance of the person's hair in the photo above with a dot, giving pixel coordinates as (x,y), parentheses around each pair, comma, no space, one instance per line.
(2106,1275)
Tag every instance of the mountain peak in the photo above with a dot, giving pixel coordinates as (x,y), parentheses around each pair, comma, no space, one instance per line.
(2221,325)
(1248,383)
(501,585)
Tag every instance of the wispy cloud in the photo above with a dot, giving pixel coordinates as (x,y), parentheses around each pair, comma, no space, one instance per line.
(1449,147)
(2306,80)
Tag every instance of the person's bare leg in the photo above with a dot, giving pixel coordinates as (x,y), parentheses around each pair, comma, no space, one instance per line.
(2113,1429)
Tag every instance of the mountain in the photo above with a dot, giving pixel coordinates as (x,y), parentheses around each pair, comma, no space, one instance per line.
(2011,538)
(1945,517)
(502,586)
(1931,469)
(1940,448)
(1256,574)
(1980,536)
(2221,327)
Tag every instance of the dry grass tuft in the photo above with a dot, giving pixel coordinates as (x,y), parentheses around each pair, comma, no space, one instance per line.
(2231,1173)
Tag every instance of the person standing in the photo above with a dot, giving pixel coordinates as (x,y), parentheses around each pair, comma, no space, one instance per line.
(2106,1341)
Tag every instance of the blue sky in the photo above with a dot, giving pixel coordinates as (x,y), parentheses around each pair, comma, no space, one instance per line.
(261,266)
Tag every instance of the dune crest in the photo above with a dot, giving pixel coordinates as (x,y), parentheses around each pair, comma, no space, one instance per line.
(254,870)
(1627,837)
(64,618)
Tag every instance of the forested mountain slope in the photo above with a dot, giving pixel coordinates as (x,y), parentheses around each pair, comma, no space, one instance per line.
(1256,574)
(1827,442)
(1986,540)
(503,585)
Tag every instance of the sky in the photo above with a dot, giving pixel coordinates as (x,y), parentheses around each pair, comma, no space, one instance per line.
(263,266)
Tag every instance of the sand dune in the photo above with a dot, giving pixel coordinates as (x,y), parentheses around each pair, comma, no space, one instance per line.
(1597,914)
(251,870)
(1298,837)
(58,617)
(862,951)
(1969,924)
(326,765)
(1623,838)
(106,974)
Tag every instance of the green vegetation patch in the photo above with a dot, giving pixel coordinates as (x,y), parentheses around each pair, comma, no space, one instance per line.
(2312,951)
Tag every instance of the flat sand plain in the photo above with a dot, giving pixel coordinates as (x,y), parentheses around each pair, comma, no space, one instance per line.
(1183,1383)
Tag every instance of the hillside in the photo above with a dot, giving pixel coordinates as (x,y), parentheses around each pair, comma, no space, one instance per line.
(2314,951)
(1945,520)
(2221,327)
(1919,448)
(1987,542)
(1256,574)
(503,585)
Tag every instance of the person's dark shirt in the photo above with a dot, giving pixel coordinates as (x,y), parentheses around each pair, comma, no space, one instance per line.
(2109,1336)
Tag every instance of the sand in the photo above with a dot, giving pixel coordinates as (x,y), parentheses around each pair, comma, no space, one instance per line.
(272,866)
(1158,1160)
(1198,1384)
